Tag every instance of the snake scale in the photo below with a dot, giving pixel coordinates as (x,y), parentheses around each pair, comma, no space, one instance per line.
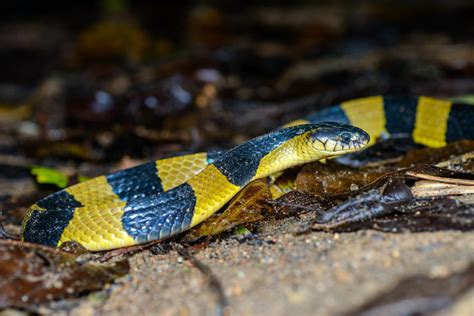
(160,199)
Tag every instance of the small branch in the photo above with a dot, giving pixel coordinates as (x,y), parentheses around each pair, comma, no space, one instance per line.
(214,282)
(460,159)
(440,179)
(426,188)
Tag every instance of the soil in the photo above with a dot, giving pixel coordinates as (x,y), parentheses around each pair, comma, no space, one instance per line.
(279,273)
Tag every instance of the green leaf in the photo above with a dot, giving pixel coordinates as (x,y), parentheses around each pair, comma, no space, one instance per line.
(469,98)
(241,230)
(83,178)
(50,176)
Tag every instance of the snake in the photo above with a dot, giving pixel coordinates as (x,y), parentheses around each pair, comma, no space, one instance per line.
(162,198)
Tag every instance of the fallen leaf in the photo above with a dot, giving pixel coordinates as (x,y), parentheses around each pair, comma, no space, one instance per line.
(31,274)
(248,206)
(332,178)
(46,175)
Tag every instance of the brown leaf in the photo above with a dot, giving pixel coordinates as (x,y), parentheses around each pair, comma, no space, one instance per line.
(395,209)
(332,178)
(296,202)
(31,274)
(248,206)
(435,155)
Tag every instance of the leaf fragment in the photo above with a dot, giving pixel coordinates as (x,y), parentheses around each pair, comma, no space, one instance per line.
(46,175)
(31,274)
(250,205)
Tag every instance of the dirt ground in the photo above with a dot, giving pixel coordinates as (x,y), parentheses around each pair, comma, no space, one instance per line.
(281,274)
(276,272)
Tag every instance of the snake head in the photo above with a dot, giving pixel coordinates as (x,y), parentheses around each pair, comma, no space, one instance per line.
(337,139)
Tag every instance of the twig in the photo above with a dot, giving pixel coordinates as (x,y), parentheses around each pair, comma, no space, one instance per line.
(15,161)
(459,159)
(424,188)
(214,282)
(439,179)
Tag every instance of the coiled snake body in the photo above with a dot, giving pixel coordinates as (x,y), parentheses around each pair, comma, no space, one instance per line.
(160,199)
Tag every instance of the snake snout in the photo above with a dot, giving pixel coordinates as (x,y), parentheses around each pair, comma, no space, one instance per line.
(335,137)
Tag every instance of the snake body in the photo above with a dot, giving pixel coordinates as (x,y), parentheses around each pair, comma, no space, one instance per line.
(162,198)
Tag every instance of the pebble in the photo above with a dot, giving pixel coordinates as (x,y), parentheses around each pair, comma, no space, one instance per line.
(295,297)
(439,271)
(354,187)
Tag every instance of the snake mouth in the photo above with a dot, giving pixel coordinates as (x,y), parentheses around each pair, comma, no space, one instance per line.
(351,141)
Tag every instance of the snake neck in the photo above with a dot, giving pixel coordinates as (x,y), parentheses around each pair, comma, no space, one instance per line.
(203,194)
(291,153)
(220,181)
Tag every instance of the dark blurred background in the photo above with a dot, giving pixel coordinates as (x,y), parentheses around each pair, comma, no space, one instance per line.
(145,78)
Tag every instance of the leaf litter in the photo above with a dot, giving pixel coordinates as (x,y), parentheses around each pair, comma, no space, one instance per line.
(107,104)
(31,275)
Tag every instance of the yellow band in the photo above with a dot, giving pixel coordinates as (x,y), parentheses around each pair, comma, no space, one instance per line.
(431,122)
(97,225)
(368,114)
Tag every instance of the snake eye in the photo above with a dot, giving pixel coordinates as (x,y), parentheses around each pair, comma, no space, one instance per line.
(346,137)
